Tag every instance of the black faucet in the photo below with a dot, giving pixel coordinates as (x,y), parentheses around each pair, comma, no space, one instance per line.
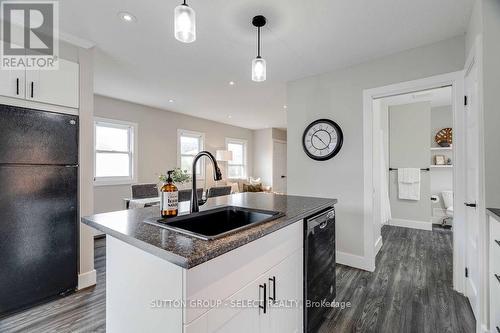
(217,176)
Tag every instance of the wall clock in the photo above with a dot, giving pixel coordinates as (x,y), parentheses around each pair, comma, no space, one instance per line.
(322,139)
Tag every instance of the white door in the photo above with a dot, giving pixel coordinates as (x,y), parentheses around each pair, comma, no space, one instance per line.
(279,167)
(59,87)
(472,185)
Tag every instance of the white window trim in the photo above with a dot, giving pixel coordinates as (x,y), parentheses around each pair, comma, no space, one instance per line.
(199,135)
(107,181)
(245,156)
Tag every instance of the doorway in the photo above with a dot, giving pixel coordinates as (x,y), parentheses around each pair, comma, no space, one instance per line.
(413,158)
(372,170)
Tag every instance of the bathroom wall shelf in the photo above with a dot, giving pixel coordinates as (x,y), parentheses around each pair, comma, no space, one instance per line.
(441,148)
(441,166)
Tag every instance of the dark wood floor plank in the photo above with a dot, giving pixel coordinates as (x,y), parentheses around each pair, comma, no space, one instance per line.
(410,290)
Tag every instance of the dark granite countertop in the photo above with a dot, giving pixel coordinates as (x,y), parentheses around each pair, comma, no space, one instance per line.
(495,212)
(187,251)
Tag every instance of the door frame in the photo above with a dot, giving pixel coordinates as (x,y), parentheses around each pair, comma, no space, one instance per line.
(456,81)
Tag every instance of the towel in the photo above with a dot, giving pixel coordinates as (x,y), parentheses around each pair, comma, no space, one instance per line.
(409,184)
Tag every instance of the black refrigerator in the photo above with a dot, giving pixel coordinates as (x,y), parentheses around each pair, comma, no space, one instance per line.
(38,206)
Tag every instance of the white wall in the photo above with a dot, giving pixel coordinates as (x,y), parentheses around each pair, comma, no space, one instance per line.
(338,95)
(263,155)
(157,144)
(491,101)
(410,125)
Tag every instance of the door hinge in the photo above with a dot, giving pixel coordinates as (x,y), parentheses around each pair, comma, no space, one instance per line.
(466,272)
(465,100)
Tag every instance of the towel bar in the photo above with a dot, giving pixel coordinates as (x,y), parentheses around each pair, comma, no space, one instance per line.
(423,169)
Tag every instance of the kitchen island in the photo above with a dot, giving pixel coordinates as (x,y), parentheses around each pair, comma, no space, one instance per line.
(162,280)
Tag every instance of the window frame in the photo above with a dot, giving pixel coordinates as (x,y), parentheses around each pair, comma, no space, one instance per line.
(132,152)
(193,134)
(244,143)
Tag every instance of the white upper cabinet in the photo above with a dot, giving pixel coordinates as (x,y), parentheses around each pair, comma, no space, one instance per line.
(12,83)
(59,87)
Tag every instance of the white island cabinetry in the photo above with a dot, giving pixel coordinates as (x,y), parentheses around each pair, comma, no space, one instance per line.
(221,295)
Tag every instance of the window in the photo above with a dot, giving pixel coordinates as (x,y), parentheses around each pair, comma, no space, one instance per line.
(237,168)
(189,144)
(114,160)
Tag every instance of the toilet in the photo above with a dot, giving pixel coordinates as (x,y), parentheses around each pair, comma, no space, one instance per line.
(448,202)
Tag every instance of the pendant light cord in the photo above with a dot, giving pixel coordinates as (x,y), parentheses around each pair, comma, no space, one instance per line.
(258,42)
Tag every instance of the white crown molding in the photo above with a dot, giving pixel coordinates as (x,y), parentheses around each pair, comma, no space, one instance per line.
(77,41)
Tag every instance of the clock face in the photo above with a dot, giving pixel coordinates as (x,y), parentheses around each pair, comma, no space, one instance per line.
(322,139)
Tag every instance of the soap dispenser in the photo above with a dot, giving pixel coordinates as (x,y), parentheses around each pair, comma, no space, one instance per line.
(169,198)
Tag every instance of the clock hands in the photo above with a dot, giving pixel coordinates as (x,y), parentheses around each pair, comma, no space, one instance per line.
(320,139)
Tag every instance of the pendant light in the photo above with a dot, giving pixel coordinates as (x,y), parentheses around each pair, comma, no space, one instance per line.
(258,64)
(185,23)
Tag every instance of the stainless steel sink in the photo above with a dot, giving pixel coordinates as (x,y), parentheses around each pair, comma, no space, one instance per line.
(217,222)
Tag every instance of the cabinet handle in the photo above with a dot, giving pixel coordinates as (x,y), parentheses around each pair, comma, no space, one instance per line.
(32,88)
(498,243)
(273,280)
(17,86)
(263,307)
(498,277)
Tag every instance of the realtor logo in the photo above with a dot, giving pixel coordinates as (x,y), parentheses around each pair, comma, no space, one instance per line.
(29,31)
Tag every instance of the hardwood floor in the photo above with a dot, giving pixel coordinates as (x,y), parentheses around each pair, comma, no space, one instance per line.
(410,291)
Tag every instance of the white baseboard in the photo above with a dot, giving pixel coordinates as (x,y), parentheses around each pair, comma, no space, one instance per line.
(355,261)
(422,225)
(378,245)
(87,279)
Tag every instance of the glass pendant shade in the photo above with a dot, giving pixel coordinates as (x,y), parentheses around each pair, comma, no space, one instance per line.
(258,69)
(185,24)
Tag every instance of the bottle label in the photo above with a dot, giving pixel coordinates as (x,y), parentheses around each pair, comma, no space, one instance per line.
(169,201)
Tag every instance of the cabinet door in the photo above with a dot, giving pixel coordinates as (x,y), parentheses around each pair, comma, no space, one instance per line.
(234,315)
(285,295)
(12,83)
(59,87)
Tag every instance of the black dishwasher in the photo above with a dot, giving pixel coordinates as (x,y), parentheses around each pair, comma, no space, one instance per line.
(319,268)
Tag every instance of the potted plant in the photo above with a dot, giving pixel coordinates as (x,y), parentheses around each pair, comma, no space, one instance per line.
(179,176)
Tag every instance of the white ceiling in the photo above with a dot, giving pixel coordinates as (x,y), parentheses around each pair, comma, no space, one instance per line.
(438,97)
(142,62)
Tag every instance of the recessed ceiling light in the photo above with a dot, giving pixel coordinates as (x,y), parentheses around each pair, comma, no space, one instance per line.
(126,17)
(285,107)
(230,116)
(170,100)
(231,83)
